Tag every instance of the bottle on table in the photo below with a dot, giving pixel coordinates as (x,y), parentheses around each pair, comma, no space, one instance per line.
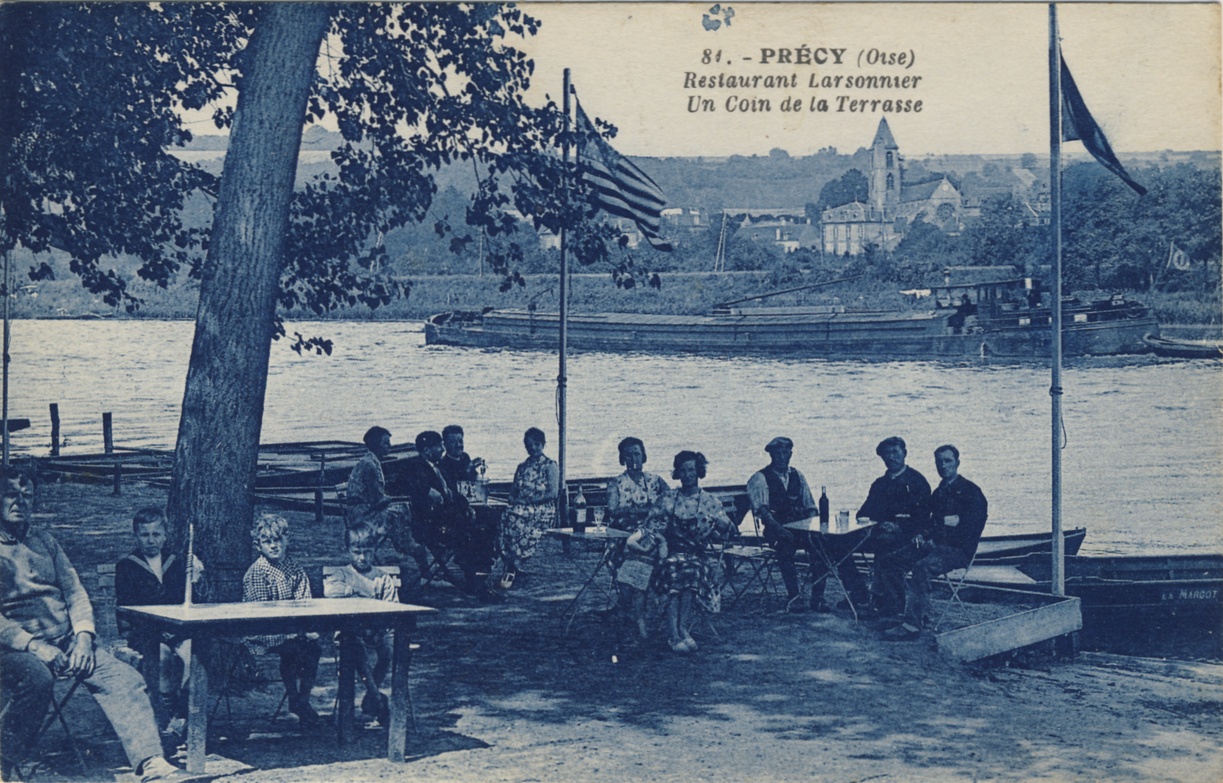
(823,504)
(579,515)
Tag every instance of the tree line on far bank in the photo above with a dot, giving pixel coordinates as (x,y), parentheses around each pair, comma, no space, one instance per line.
(1112,241)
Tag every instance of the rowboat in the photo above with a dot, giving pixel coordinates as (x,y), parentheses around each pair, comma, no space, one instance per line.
(1136,604)
(979,320)
(1184,349)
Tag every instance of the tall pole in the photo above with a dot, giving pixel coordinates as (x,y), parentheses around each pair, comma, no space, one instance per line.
(562,378)
(1055,386)
(8,295)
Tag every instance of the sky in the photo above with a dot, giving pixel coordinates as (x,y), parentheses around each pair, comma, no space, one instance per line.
(1150,73)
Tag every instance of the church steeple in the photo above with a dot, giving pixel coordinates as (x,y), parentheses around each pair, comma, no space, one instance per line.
(884,181)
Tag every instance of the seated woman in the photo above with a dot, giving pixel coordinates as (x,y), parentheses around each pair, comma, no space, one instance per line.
(630,496)
(532,505)
(691,520)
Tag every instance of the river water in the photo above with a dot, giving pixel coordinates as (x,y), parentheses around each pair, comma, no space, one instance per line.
(1142,463)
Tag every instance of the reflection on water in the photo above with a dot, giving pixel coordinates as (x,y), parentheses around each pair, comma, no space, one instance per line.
(1142,464)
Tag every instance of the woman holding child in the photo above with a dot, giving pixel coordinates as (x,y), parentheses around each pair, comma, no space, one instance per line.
(630,496)
(689,520)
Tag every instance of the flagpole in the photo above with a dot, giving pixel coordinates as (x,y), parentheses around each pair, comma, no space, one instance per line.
(1055,386)
(562,378)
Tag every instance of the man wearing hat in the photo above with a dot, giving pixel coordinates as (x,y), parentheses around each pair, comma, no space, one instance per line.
(442,520)
(779,495)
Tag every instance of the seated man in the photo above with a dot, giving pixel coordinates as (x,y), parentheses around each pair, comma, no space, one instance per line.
(779,495)
(47,631)
(899,501)
(948,541)
(455,463)
(443,521)
(152,575)
(368,505)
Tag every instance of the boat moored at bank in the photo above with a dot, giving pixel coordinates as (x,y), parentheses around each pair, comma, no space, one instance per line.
(1002,318)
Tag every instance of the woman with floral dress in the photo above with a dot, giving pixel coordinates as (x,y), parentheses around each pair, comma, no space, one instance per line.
(532,505)
(630,496)
(692,520)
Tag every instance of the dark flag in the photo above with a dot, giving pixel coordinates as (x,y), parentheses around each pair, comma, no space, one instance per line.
(1078,125)
(617,186)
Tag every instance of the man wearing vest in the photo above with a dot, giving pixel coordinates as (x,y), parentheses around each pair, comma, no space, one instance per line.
(779,495)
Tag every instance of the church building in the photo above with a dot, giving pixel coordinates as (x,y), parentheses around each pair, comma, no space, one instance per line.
(891,204)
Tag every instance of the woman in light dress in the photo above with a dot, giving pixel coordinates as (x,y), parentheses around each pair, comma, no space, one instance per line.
(630,496)
(691,521)
(532,505)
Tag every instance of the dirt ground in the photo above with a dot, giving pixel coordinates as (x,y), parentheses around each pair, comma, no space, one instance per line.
(502,693)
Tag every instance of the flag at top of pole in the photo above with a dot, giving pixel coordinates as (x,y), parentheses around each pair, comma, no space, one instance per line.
(617,185)
(1079,125)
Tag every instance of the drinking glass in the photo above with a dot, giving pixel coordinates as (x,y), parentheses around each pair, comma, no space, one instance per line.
(599,518)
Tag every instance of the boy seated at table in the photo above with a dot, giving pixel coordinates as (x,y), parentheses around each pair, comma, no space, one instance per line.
(152,575)
(274,577)
(373,646)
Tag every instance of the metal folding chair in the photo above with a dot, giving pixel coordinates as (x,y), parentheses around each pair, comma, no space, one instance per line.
(242,675)
(954,581)
(56,714)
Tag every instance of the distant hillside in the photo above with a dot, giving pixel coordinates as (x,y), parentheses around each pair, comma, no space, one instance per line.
(761,181)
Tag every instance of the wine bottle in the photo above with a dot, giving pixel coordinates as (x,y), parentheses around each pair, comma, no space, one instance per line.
(823,508)
(579,512)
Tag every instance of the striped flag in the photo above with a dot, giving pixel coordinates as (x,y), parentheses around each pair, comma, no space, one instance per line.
(1079,125)
(617,186)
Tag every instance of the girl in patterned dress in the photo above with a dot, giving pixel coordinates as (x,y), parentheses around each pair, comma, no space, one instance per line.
(692,520)
(532,505)
(274,577)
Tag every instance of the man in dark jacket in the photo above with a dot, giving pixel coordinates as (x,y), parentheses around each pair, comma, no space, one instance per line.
(948,541)
(443,520)
(899,504)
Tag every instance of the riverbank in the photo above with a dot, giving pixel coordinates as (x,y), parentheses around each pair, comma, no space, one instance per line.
(501,693)
(681,293)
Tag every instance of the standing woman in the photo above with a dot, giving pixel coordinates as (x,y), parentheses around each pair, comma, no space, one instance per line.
(532,505)
(692,520)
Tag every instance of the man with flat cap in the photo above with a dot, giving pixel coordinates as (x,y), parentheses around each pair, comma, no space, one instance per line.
(899,501)
(779,494)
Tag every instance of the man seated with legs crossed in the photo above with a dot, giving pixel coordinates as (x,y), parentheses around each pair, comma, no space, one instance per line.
(779,495)
(948,541)
(47,631)
(899,502)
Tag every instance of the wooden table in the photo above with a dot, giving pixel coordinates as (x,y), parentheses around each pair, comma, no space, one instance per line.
(202,622)
(826,543)
(611,538)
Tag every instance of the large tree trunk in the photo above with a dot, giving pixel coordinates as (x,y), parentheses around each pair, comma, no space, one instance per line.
(218,435)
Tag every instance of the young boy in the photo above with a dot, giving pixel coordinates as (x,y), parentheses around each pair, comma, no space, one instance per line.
(373,646)
(152,575)
(274,577)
